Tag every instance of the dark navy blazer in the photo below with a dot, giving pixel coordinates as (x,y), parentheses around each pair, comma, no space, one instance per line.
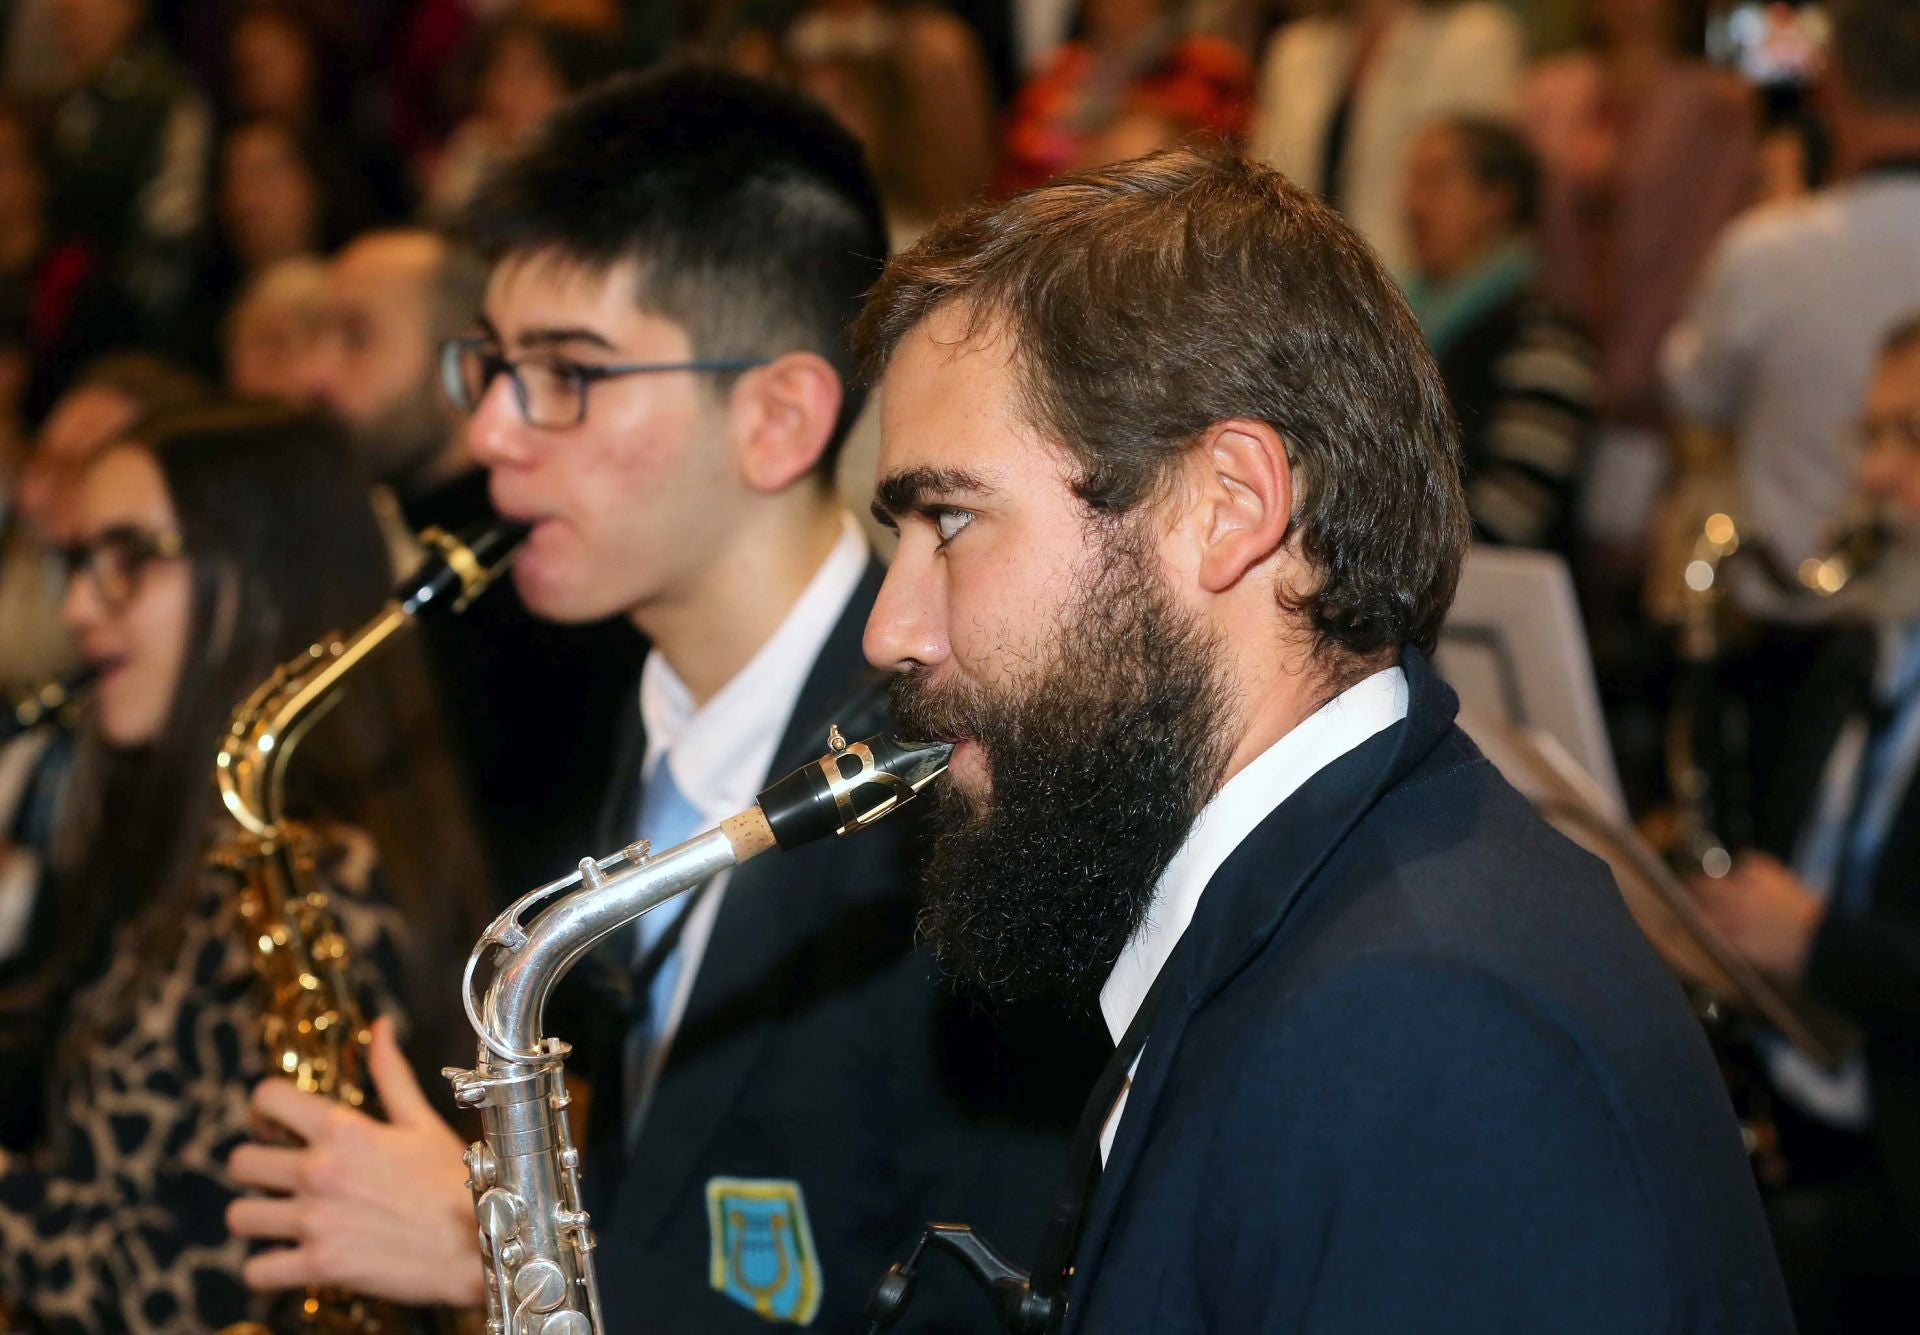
(1416,1070)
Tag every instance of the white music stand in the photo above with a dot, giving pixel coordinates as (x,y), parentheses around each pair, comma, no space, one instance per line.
(1515,651)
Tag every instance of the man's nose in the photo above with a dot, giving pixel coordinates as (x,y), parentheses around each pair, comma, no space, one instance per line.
(496,433)
(908,625)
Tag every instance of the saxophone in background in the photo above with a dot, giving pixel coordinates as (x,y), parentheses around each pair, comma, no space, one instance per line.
(311,1023)
(524,1171)
(44,704)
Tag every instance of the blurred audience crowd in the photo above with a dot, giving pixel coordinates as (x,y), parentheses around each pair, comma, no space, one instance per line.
(1662,256)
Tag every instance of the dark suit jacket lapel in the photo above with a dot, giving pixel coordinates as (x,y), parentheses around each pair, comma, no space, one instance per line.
(751,934)
(1245,905)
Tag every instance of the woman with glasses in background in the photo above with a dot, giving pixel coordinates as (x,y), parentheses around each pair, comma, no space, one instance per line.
(219,543)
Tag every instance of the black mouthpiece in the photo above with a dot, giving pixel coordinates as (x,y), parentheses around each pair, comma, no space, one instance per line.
(850,787)
(458,570)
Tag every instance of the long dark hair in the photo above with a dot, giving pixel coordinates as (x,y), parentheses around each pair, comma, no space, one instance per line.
(283,548)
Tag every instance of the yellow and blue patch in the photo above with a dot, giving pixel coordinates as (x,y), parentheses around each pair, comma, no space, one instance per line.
(761,1247)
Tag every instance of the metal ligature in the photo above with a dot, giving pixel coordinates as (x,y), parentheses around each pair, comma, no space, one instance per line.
(525,1171)
(311,1023)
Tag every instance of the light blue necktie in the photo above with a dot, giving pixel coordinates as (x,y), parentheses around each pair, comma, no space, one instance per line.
(666,818)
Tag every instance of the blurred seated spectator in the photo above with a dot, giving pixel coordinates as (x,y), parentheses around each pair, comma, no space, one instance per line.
(526,65)
(59,288)
(1519,372)
(1136,81)
(1773,355)
(1830,904)
(106,401)
(283,64)
(1344,92)
(278,198)
(1647,153)
(128,157)
(271,332)
(908,79)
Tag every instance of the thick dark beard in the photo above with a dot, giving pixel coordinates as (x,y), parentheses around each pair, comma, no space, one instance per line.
(1099,764)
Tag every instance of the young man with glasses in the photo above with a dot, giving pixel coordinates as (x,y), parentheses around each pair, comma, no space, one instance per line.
(1828,904)
(659,388)
(393,298)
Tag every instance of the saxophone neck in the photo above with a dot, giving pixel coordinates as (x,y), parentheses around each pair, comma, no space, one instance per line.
(251,768)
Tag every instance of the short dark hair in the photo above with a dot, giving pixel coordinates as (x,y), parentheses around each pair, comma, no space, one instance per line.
(1149,300)
(1876,46)
(750,211)
(1499,158)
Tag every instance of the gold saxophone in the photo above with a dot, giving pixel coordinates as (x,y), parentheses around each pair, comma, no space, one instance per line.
(1693,601)
(311,1023)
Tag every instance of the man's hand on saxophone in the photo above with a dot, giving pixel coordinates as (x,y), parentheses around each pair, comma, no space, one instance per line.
(377,1207)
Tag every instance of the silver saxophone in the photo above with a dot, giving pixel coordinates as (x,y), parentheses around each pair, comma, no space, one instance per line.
(535,1238)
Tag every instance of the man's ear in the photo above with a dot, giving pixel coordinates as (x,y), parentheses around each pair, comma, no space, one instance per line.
(1242,488)
(781,416)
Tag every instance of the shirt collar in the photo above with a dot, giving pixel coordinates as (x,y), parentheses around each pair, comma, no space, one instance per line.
(1249,797)
(720,752)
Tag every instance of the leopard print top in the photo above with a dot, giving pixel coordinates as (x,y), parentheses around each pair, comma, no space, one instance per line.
(117,1222)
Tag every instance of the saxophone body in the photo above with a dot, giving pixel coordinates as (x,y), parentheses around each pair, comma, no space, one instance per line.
(311,1022)
(536,1242)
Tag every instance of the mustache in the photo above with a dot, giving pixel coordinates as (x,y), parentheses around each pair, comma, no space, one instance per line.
(951,713)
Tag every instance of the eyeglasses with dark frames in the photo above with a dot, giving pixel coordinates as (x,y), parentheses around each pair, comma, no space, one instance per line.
(551,392)
(116,558)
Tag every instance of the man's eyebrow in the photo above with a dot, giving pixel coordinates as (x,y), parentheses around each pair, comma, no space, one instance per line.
(554,336)
(908,490)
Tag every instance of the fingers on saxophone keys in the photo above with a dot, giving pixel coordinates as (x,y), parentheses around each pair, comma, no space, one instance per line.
(266,1217)
(267,1168)
(282,1268)
(306,1115)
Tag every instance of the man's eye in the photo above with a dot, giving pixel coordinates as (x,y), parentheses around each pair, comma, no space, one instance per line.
(948,523)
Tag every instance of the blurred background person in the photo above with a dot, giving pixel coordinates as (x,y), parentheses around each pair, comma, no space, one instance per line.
(1344,91)
(1830,904)
(285,63)
(270,334)
(279,198)
(59,285)
(128,160)
(525,66)
(1771,360)
(207,550)
(1648,152)
(910,82)
(1137,79)
(526,700)
(1519,372)
(107,399)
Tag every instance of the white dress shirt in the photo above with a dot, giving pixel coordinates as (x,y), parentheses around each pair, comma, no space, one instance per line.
(1243,802)
(721,751)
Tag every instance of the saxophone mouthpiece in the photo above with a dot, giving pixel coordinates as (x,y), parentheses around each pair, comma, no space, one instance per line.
(850,787)
(458,570)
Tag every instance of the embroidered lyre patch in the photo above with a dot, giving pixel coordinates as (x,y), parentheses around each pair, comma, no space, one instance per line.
(761,1247)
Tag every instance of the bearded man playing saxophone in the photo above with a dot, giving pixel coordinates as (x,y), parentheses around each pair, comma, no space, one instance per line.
(658,388)
(1179,508)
